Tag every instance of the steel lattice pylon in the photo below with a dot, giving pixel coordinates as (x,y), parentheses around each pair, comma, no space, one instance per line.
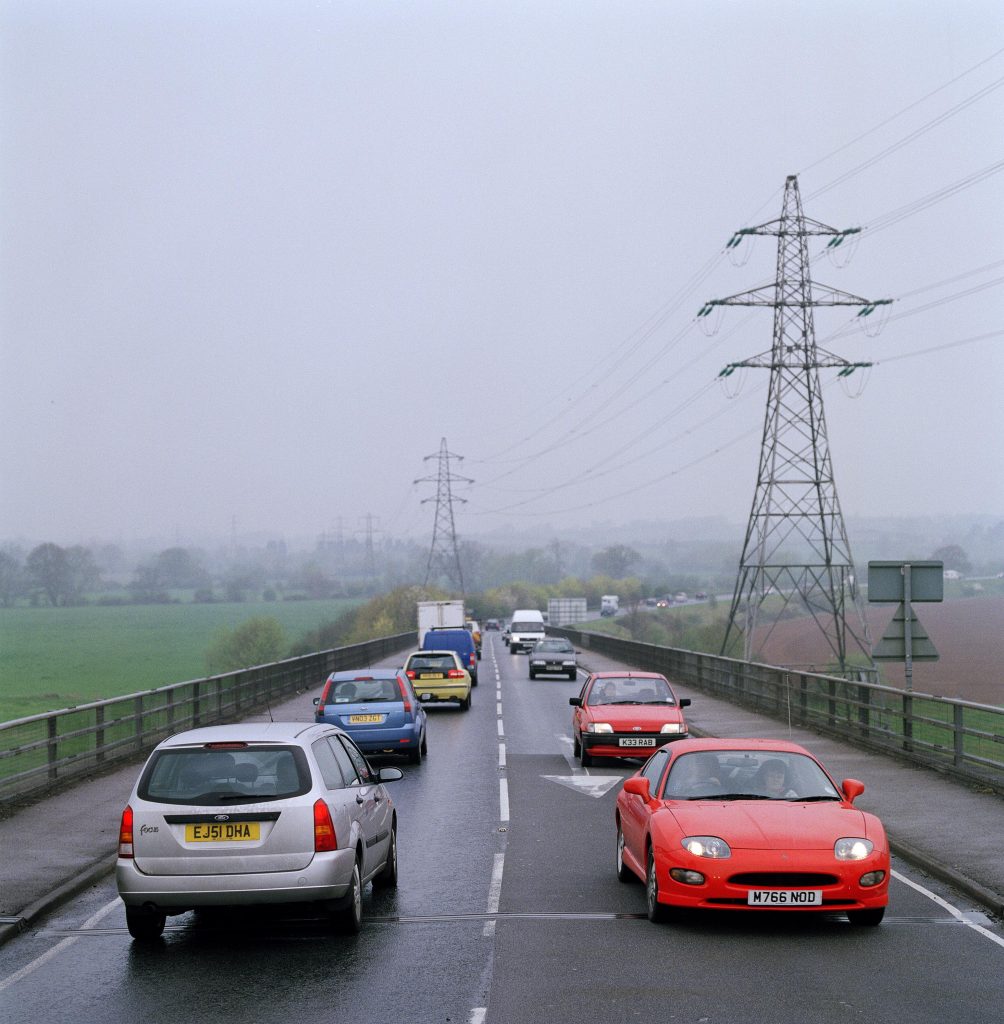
(796,548)
(444,555)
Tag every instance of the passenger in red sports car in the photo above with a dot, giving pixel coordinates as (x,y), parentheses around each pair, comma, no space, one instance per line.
(772,781)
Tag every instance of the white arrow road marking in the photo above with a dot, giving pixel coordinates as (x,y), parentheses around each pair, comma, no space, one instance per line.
(590,785)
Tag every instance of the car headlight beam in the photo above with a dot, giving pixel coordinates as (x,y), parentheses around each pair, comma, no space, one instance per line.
(852,848)
(707,846)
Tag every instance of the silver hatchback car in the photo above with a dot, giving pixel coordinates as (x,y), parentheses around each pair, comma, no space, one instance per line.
(258,813)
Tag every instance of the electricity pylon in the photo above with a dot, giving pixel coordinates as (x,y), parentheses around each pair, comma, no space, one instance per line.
(444,554)
(796,550)
(370,557)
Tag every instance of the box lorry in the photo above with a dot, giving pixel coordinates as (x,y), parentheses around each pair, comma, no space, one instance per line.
(609,604)
(439,615)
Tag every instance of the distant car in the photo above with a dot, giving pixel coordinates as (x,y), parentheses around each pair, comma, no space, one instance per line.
(625,714)
(459,640)
(750,825)
(554,655)
(258,813)
(474,628)
(701,596)
(680,597)
(651,602)
(378,708)
(492,624)
(663,603)
(439,676)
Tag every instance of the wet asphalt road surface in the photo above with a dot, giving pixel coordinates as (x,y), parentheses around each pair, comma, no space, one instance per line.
(508,911)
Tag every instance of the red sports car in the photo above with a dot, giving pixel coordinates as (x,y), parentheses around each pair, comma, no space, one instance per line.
(625,714)
(718,824)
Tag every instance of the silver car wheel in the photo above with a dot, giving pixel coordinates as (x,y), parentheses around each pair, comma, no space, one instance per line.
(349,919)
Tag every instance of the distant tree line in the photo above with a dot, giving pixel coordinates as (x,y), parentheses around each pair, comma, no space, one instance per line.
(52,575)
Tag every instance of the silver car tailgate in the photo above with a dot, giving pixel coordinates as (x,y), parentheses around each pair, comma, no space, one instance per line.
(237,839)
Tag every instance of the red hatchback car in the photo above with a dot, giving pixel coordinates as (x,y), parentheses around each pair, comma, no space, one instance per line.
(718,824)
(625,714)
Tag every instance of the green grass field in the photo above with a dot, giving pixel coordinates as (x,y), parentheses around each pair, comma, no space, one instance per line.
(53,658)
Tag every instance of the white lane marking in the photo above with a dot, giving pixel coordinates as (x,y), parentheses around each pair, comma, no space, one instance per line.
(590,785)
(41,961)
(503,800)
(954,911)
(501,730)
(498,709)
(501,755)
(494,893)
(566,745)
(478,1015)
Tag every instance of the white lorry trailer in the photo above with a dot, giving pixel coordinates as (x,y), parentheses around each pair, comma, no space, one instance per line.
(566,611)
(609,604)
(439,615)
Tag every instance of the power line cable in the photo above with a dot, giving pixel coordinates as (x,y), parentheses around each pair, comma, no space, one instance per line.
(906,109)
(907,139)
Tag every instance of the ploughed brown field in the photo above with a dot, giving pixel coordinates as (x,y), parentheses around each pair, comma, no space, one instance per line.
(968,634)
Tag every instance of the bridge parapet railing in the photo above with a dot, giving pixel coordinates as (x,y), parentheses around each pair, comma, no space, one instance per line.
(42,752)
(959,737)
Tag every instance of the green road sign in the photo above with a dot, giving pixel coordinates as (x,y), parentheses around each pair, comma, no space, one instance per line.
(893,647)
(905,581)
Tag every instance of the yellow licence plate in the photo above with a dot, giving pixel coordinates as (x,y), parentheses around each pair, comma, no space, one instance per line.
(362,719)
(223,832)
(430,675)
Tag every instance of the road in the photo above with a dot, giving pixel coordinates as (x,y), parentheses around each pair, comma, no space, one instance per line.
(509,911)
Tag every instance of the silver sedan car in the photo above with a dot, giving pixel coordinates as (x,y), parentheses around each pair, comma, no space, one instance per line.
(259,813)
(553,656)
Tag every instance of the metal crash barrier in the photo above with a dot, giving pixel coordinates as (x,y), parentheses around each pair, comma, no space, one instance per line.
(959,737)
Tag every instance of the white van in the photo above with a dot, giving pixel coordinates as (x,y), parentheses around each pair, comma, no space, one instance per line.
(526,629)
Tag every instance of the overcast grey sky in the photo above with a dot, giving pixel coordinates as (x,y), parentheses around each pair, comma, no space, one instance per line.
(260,256)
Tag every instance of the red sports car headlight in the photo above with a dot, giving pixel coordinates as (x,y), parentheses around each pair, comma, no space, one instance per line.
(852,849)
(707,846)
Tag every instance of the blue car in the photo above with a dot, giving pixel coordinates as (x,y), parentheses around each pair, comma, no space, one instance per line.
(378,708)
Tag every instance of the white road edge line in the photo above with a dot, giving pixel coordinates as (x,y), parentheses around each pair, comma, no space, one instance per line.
(955,912)
(503,800)
(501,755)
(41,961)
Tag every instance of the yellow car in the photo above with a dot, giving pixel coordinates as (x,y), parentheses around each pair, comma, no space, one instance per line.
(439,676)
